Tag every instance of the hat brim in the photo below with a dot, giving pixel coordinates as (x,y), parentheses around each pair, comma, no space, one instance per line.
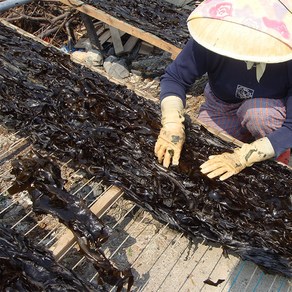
(238,41)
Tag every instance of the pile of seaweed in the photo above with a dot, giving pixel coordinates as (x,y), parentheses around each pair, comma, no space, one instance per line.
(110,132)
(27,267)
(41,177)
(157,17)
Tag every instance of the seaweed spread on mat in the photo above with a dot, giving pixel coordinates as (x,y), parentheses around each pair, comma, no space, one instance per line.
(27,267)
(159,17)
(110,132)
(41,177)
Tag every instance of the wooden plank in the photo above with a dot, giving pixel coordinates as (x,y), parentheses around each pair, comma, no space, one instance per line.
(112,21)
(98,208)
(146,49)
(100,30)
(105,37)
(116,39)
(130,44)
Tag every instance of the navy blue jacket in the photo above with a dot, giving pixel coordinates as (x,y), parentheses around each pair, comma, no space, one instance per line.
(225,76)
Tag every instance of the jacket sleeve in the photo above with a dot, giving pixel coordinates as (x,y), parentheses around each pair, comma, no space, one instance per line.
(281,139)
(190,64)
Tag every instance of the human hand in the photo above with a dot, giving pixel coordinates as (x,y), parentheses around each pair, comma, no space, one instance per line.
(224,165)
(169,144)
(227,164)
(172,134)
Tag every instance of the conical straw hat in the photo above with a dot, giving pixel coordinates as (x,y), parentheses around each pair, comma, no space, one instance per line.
(251,30)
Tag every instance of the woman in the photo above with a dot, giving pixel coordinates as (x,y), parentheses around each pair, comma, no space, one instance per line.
(246,49)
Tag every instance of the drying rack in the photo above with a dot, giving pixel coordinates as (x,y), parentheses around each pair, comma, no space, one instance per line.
(123,26)
(162,259)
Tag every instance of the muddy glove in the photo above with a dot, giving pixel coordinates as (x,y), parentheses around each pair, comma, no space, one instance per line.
(91,58)
(227,164)
(172,134)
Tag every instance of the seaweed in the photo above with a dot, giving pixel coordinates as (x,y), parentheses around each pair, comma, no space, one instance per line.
(27,267)
(160,18)
(110,132)
(41,177)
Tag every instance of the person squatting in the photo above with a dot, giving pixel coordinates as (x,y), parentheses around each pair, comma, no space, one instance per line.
(245,47)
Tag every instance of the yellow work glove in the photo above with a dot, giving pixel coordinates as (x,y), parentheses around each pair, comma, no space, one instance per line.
(227,164)
(172,134)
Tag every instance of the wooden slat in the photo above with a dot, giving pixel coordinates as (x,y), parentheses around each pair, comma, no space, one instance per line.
(116,39)
(101,30)
(98,208)
(105,37)
(121,25)
(146,49)
(130,44)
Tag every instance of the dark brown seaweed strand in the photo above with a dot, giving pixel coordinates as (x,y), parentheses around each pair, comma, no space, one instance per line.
(110,132)
(25,266)
(41,177)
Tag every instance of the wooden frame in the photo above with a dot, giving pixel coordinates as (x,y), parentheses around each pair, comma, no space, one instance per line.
(121,25)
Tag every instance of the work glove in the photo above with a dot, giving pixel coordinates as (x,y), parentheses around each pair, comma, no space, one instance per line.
(227,164)
(172,134)
(91,58)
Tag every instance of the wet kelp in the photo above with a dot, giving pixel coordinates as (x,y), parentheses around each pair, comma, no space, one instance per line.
(41,177)
(110,132)
(27,267)
(157,17)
